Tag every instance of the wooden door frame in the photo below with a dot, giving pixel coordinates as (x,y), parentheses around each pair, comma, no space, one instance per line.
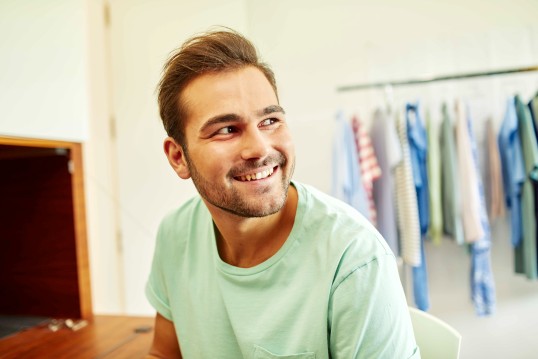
(79,210)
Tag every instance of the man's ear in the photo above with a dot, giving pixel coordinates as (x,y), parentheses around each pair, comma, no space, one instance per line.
(176,157)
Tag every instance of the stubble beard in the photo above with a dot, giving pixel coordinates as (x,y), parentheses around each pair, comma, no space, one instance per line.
(231,200)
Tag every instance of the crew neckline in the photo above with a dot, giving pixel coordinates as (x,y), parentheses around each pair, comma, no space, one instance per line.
(275,258)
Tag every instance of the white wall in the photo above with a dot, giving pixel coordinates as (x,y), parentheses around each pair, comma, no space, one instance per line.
(43,69)
(101,181)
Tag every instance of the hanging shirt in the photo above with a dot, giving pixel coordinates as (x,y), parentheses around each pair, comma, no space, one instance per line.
(406,202)
(346,184)
(526,254)
(513,171)
(496,193)
(533,109)
(482,283)
(450,184)
(468,178)
(418,146)
(369,168)
(389,154)
(434,182)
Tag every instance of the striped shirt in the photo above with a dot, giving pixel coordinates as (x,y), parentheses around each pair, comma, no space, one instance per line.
(370,170)
(406,202)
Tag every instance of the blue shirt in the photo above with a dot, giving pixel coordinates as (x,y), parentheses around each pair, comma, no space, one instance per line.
(346,176)
(418,145)
(513,170)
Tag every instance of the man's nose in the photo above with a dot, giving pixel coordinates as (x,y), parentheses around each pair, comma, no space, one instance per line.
(254,144)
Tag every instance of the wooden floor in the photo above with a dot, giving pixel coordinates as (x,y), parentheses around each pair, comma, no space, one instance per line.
(104,337)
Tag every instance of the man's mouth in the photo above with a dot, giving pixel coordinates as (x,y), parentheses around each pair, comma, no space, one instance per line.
(256,175)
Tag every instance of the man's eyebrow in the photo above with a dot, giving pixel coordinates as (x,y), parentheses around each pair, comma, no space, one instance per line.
(270,109)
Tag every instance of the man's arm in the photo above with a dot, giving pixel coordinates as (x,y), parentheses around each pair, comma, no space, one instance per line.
(165,343)
(368,314)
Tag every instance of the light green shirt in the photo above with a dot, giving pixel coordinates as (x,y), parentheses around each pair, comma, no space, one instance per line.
(434,181)
(451,201)
(332,290)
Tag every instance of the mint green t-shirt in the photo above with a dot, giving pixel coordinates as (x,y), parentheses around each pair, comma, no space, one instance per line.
(332,290)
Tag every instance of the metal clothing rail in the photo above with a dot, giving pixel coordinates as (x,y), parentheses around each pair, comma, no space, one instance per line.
(435,79)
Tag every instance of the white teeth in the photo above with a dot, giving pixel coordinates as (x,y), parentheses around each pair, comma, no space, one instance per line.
(257,176)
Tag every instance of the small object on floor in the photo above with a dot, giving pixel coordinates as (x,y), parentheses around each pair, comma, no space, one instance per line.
(75,325)
(56,324)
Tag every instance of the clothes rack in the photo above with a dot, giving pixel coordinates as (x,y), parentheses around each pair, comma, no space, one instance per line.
(424,80)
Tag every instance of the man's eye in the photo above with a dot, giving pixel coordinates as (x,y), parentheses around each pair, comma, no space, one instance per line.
(268,122)
(225,130)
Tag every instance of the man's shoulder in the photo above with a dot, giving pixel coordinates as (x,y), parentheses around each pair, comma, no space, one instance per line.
(330,219)
(322,205)
(184,216)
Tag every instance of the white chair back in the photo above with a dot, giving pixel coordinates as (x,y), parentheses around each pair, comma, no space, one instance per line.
(435,338)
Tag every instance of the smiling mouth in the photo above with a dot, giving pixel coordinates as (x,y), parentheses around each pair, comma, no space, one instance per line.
(256,175)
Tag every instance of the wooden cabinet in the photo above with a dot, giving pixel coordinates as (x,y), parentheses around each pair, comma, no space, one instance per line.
(43,246)
(44,258)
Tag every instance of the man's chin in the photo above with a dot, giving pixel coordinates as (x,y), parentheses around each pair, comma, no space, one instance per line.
(262,212)
(255,210)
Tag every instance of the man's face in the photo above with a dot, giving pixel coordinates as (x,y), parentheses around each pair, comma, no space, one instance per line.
(239,150)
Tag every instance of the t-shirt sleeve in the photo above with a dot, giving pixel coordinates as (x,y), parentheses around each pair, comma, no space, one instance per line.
(368,314)
(156,289)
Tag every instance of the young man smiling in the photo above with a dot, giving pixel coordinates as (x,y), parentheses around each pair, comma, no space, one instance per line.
(259,266)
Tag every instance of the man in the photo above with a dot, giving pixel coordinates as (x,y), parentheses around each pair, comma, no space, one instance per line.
(259,266)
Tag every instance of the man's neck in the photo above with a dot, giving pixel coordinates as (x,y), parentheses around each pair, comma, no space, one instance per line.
(246,242)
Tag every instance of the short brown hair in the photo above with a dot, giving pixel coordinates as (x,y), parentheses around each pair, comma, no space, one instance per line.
(213,51)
